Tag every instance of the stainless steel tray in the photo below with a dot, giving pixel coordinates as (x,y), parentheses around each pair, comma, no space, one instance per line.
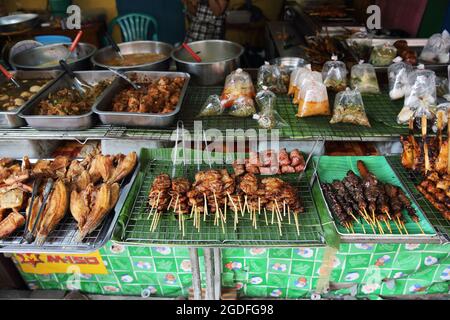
(11,119)
(79,122)
(61,239)
(103,105)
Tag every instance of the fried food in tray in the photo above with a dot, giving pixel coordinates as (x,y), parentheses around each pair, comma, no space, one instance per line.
(12,97)
(89,188)
(367,198)
(158,96)
(69,101)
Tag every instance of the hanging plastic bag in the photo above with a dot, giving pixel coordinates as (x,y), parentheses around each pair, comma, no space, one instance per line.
(441,116)
(268,118)
(313,100)
(238,93)
(364,78)
(349,108)
(383,55)
(422,93)
(334,74)
(398,73)
(270,76)
(294,78)
(211,107)
(436,49)
(303,79)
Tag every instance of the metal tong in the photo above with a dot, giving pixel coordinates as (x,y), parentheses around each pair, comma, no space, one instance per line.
(124,77)
(29,236)
(114,45)
(9,76)
(80,86)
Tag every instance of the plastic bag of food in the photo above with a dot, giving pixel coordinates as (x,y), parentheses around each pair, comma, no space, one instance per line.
(383,55)
(287,68)
(294,78)
(238,93)
(441,87)
(405,52)
(361,43)
(304,78)
(313,100)
(441,116)
(334,74)
(422,93)
(349,108)
(436,49)
(364,78)
(398,73)
(423,112)
(270,76)
(268,118)
(212,107)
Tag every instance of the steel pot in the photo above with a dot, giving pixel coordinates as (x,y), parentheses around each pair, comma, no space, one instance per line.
(47,57)
(219,58)
(17,22)
(102,55)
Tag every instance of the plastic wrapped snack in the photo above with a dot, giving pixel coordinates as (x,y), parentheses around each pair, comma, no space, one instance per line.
(398,73)
(441,87)
(334,74)
(436,49)
(422,93)
(441,116)
(287,69)
(238,93)
(303,79)
(212,107)
(383,55)
(349,108)
(313,100)
(294,78)
(270,76)
(268,118)
(364,78)
(421,112)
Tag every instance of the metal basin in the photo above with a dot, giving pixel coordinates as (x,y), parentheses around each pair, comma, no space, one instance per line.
(104,54)
(47,57)
(18,22)
(219,58)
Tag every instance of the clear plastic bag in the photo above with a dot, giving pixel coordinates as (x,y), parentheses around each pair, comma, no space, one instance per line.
(268,118)
(441,116)
(398,73)
(238,93)
(364,78)
(436,49)
(349,108)
(422,112)
(334,74)
(383,55)
(294,78)
(212,107)
(422,94)
(303,79)
(270,76)
(361,43)
(441,87)
(313,100)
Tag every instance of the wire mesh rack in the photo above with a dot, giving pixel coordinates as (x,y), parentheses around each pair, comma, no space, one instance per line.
(137,226)
(381,108)
(410,179)
(62,238)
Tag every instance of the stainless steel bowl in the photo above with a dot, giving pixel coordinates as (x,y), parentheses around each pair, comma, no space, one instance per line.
(219,58)
(102,55)
(18,22)
(47,57)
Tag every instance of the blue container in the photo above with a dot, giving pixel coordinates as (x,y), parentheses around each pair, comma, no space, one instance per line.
(51,39)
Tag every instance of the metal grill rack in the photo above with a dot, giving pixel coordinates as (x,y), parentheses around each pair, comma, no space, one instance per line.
(137,226)
(61,239)
(410,179)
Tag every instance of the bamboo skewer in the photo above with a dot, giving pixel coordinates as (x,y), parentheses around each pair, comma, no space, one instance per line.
(425,144)
(205,211)
(448,141)
(296,223)
(265,217)
(398,227)
(420,227)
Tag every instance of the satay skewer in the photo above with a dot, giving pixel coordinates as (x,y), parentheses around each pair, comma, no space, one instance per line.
(448,141)
(425,144)
(265,216)
(296,223)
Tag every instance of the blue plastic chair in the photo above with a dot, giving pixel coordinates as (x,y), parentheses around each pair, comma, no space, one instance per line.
(135,26)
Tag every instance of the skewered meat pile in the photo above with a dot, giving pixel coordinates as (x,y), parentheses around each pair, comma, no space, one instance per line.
(364,197)
(90,188)
(159,96)
(270,162)
(213,190)
(430,157)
